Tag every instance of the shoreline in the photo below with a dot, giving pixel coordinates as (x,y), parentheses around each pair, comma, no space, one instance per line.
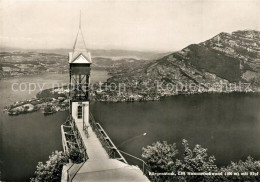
(36,74)
(57,106)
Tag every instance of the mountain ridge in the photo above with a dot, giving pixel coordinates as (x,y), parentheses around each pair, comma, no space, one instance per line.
(224,53)
(227,57)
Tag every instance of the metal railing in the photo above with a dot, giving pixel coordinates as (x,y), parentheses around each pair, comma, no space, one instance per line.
(112,150)
(72,138)
(81,145)
(74,169)
(65,130)
(64,141)
(145,167)
(106,142)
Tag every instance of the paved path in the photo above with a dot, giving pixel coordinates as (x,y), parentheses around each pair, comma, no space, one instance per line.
(94,147)
(99,167)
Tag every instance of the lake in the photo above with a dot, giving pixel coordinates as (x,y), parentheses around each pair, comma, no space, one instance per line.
(29,138)
(227,124)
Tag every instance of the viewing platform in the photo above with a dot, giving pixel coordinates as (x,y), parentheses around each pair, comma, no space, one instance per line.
(102,160)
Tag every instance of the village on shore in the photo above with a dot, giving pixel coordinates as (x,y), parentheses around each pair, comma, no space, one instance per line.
(54,100)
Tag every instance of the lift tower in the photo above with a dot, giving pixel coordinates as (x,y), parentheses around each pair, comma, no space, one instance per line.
(79,63)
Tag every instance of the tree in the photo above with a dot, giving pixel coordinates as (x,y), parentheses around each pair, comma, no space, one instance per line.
(249,165)
(48,109)
(51,171)
(197,160)
(160,156)
(75,155)
(26,108)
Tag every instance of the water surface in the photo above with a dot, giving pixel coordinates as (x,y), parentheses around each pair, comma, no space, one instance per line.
(227,124)
(29,138)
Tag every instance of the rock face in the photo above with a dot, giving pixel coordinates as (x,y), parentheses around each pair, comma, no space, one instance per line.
(228,57)
(243,46)
(225,58)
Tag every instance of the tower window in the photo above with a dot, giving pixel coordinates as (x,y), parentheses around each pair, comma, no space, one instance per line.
(79,112)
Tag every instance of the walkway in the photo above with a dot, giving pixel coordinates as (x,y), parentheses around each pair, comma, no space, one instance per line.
(95,149)
(99,167)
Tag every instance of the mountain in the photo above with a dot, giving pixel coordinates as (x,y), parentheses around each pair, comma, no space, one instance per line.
(109,53)
(226,58)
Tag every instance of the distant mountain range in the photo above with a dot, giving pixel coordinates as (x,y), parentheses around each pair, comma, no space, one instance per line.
(111,53)
(226,57)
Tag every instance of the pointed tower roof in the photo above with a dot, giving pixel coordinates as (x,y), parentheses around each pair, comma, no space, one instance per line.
(79,48)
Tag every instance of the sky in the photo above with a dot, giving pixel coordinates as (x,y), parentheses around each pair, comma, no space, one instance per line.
(148,25)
